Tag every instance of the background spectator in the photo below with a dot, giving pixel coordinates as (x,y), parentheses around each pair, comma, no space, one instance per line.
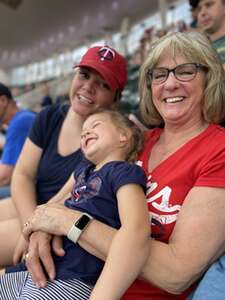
(19,123)
(47,99)
(211,19)
(194,13)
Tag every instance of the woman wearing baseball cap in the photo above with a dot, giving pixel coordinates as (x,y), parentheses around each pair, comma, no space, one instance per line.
(51,151)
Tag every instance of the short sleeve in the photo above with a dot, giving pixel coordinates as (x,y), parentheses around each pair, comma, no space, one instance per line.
(44,123)
(213,171)
(123,173)
(38,130)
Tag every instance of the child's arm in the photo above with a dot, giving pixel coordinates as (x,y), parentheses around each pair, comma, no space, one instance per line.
(65,192)
(130,246)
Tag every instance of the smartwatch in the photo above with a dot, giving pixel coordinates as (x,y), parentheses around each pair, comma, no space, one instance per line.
(77,228)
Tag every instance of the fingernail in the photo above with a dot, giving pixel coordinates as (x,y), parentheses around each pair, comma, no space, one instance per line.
(42,284)
(51,276)
(37,285)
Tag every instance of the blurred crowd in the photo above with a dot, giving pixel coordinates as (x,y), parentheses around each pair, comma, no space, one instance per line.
(201,12)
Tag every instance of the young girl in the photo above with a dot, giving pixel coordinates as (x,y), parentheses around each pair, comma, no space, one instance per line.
(108,187)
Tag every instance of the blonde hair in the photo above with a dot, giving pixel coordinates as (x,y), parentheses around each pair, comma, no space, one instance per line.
(194,47)
(122,122)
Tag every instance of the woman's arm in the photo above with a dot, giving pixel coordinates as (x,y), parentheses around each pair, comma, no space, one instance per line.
(197,240)
(23,181)
(65,192)
(41,244)
(129,248)
(52,217)
(134,233)
(23,190)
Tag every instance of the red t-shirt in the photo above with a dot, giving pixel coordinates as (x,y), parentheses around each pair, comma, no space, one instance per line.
(200,162)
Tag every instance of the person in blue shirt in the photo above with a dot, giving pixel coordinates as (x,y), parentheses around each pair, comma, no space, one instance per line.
(107,186)
(211,19)
(18,123)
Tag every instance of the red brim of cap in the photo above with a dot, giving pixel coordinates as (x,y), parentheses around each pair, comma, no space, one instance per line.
(103,71)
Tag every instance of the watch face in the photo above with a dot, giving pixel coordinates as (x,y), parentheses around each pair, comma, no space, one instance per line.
(82,222)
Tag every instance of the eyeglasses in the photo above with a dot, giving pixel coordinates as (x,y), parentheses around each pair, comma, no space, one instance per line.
(184,72)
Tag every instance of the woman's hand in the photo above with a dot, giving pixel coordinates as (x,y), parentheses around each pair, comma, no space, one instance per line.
(52,218)
(20,250)
(47,220)
(39,259)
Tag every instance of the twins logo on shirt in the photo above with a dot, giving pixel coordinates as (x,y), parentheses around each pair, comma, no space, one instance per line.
(162,211)
(77,192)
(83,191)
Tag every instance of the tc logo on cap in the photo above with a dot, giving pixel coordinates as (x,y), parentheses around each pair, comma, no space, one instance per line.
(106,53)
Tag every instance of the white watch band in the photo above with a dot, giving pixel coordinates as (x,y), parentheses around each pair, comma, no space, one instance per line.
(78,227)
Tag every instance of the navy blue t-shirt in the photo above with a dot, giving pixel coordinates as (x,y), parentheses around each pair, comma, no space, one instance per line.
(95,193)
(54,169)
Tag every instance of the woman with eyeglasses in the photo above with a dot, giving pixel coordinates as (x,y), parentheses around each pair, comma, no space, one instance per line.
(182,94)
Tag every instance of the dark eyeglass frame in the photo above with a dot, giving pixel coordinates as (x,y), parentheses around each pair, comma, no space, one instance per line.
(197,66)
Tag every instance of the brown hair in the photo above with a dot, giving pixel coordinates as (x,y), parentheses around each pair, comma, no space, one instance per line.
(122,122)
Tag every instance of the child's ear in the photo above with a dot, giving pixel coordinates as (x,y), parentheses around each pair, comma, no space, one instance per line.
(124,137)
